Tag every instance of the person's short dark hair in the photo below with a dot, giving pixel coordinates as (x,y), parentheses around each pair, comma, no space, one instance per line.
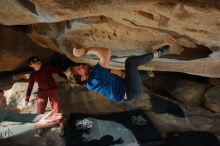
(77,77)
(1,91)
(78,80)
(33,59)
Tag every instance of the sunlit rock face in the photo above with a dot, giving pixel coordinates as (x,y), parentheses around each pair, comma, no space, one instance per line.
(128,28)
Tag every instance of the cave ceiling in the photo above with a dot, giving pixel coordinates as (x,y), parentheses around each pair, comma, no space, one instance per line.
(128,27)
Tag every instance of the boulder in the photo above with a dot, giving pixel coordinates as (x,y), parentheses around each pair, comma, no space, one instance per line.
(187,92)
(127,27)
(212,99)
(214,81)
(16,47)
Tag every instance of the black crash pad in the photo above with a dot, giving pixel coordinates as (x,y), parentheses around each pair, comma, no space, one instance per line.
(131,128)
(192,138)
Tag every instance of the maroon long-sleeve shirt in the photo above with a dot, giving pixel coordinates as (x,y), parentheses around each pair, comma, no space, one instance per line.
(44,79)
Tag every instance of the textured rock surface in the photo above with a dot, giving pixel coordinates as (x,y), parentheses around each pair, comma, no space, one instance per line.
(191,56)
(127,27)
(212,99)
(186,89)
(188,92)
(16,48)
(214,81)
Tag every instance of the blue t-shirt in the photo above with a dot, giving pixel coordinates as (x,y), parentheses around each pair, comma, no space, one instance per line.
(105,83)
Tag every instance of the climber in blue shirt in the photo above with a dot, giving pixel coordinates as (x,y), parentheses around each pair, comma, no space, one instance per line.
(100,80)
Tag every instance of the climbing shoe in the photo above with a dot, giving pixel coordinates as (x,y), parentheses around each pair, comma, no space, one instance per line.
(163,50)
